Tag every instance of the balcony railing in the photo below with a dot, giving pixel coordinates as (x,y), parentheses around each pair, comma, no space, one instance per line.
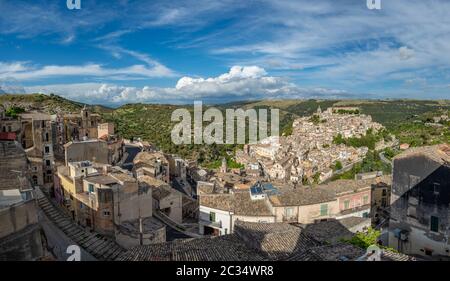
(217,224)
(289,218)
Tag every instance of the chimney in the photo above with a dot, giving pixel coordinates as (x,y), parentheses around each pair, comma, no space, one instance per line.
(106,169)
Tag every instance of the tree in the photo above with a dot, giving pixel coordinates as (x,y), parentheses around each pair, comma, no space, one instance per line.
(364,239)
(316,177)
(338,165)
(14,111)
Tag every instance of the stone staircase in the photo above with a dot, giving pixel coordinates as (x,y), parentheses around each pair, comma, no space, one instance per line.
(99,246)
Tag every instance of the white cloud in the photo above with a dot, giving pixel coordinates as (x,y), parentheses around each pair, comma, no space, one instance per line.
(26,71)
(250,82)
(344,41)
(406,53)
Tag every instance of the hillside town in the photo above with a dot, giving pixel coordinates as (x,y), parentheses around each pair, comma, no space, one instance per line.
(71,179)
(311,151)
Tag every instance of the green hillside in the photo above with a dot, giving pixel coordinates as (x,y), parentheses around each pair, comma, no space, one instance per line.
(407,119)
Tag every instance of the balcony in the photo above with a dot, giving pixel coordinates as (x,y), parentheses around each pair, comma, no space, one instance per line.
(289,219)
(211,223)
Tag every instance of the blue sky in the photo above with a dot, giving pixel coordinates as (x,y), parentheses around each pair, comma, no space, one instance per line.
(116,52)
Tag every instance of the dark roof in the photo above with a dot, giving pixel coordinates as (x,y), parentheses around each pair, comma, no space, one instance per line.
(330,231)
(161,192)
(222,248)
(352,221)
(275,241)
(334,252)
(253,242)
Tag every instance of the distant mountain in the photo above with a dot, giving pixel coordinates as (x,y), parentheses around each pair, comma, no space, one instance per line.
(407,119)
(11,86)
(46,103)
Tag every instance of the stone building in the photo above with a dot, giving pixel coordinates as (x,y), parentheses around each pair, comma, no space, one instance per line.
(166,200)
(420,197)
(110,201)
(153,164)
(177,167)
(37,140)
(20,232)
(21,238)
(81,125)
(109,149)
(267,202)
(381,200)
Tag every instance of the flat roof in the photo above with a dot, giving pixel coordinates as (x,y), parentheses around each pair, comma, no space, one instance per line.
(10,197)
(101,179)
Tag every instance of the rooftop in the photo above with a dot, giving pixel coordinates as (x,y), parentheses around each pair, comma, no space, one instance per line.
(162,191)
(149,158)
(330,231)
(350,222)
(101,179)
(149,224)
(239,202)
(122,176)
(10,197)
(287,195)
(302,195)
(276,241)
(335,252)
(222,248)
(36,116)
(151,181)
(253,242)
(439,153)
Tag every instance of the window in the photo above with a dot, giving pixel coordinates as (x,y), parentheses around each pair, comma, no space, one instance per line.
(324,209)
(47,163)
(346,204)
(365,199)
(212,217)
(81,205)
(383,202)
(289,212)
(384,192)
(106,213)
(46,137)
(47,149)
(91,188)
(35,180)
(436,187)
(434,224)
(226,231)
(9,129)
